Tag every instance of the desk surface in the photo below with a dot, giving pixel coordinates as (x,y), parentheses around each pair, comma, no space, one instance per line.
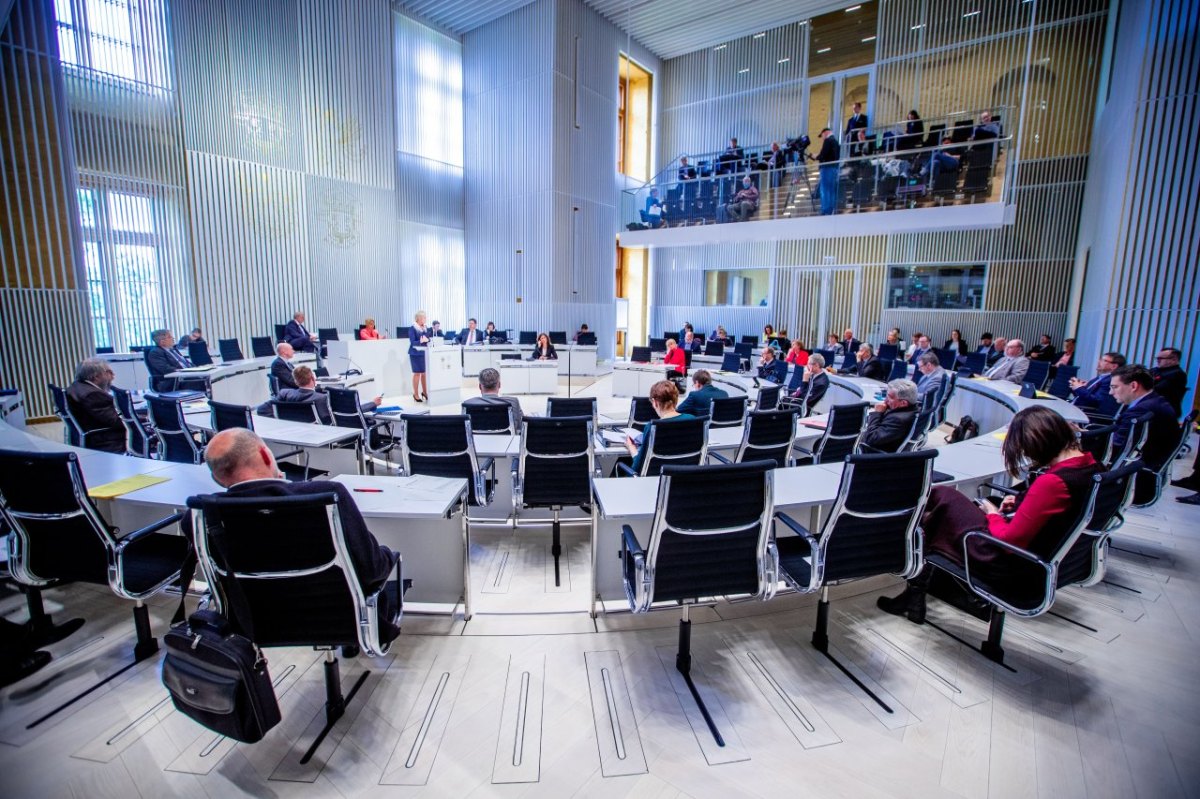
(278,431)
(417,497)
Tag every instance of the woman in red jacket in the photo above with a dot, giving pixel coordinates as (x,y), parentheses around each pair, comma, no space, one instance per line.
(1040,441)
(675,357)
(797,354)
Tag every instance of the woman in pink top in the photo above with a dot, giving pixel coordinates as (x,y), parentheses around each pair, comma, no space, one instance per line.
(369,333)
(797,354)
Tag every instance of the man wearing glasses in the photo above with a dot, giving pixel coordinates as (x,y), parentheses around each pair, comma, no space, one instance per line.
(1093,394)
(1170,381)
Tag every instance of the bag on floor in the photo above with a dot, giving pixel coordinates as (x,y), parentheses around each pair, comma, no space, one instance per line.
(218,678)
(966,428)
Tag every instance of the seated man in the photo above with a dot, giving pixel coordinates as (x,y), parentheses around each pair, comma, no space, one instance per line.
(1170,381)
(281,367)
(889,424)
(923,346)
(296,334)
(435,329)
(814,383)
(489,394)
(849,344)
(471,334)
(984,348)
(691,343)
(943,161)
(162,359)
(306,391)
(997,351)
(934,379)
(1133,387)
(698,401)
(1094,394)
(243,464)
(1044,350)
(653,214)
(866,364)
(744,203)
(1013,366)
(92,406)
(772,368)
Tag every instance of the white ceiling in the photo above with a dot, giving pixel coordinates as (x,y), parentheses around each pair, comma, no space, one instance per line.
(668,28)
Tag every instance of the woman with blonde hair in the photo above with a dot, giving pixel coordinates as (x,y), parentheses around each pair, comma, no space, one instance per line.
(418,336)
(369,331)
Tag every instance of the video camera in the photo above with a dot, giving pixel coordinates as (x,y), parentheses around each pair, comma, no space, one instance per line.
(798,145)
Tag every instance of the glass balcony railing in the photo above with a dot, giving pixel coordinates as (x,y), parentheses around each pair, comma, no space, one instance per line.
(867,180)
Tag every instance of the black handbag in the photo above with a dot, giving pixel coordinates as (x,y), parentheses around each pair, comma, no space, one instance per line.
(219,678)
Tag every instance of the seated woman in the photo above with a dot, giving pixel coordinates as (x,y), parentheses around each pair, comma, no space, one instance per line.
(797,354)
(663,397)
(1039,440)
(544,351)
(675,357)
(369,333)
(768,334)
(723,337)
(956,343)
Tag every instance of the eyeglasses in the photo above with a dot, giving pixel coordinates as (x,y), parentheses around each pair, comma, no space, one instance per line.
(1164,357)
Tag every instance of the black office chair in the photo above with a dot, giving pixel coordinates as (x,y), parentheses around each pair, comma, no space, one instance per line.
(280,571)
(768,398)
(495,418)
(198,354)
(402,331)
(1038,373)
(658,345)
(73,432)
(671,334)
(280,332)
(1098,442)
(767,436)
(104,350)
(586,339)
(828,355)
(731,362)
(679,442)
(949,386)
(227,416)
(527,337)
(574,406)
(976,363)
(872,529)
(230,349)
(325,334)
(746,350)
(1084,563)
(748,341)
(56,534)
(303,412)
(922,424)
(899,370)
(641,412)
(715,349)
(558,337)
(640,355)
(843,429)
(175,441)
(795,380)
(262,347)
(711,537)
(1012,579)
(511,356)
(1131,447)
(1060,386)
(555,470)
(1150,483)
(137,442)
(729,411)
(272,385)
(888,352)
(376,438)
(442,446)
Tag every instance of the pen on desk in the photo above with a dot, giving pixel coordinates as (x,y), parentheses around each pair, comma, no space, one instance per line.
(369,490)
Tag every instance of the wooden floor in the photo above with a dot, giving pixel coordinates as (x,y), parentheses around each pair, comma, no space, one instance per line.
(533,698)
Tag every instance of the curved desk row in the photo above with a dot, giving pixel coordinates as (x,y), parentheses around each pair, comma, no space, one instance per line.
(631,500)
(241,382)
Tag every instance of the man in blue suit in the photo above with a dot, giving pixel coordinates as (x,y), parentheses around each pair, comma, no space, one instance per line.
(296,334)
(772,368)
(1094,394)
(698,401)
(470,334)
(1133,387)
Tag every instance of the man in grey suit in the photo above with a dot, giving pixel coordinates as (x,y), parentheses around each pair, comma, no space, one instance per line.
(489,394)
(934,379)
(1013,366)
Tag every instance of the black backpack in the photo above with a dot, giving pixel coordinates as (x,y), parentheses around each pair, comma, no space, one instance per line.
(219,678)
(966,428)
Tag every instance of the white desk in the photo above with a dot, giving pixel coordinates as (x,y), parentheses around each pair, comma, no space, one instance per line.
(478,357)
(129,369)
(635,379)
(320,439)
(573,359)
(418,517)
(385,359)
(528,377)
(241,382)
(12,409)
(443,373)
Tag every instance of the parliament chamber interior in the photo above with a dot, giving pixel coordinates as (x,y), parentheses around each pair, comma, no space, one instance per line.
(599,398)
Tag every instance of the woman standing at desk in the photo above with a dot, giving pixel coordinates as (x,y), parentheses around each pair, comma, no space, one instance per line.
(369,333)
(544,351)
(418,337)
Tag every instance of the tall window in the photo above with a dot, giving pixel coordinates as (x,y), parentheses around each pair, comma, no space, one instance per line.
(945,287)
(634,94)
(120,247)
(124,38)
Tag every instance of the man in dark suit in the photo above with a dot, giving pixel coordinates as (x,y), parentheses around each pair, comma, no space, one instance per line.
(243,464)
(686,170)
(857,120)
(489,394)
(814,383)
(92,406)
(1133,387)
(1094,394)
(997,351)
(923,346)
(772,368)
(849,344)
(698,401)
(162,359)
(281,367)
(1170,380)
(1044,350)
(934,377)
(306,391)
(865,364)
(470,334)
(690,342)
(296,334)
(889,424)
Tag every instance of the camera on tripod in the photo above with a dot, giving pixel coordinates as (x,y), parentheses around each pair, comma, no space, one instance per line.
(798,145)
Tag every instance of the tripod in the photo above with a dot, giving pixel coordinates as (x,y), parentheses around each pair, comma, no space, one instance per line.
(800,174)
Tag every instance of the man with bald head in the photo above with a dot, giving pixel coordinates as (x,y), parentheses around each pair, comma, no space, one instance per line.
(281,367)
(243,464)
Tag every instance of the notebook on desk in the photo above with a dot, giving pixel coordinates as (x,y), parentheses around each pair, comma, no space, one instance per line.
(208,367)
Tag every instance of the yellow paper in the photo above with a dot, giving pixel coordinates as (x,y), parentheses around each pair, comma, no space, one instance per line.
(999,435)
(126,485)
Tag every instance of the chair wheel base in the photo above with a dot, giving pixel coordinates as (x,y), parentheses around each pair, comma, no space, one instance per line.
(992,652)
(145,649)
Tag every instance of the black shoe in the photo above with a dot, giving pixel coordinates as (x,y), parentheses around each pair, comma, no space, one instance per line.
(1190,481)
(350,651)
(21,667)
(909,603)
(1190,499)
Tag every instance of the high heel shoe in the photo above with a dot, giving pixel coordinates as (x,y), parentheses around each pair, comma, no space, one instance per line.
(426,396)
(417,399)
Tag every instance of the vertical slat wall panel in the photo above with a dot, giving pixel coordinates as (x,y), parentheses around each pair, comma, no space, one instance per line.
(1141,229)
(931,57)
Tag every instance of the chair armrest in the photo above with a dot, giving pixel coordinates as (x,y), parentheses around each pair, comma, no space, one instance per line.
(487,465)
(624,467)
(149,529)
(797,528)
(1006,490)
(719,457)
(630,544)
(1012,549)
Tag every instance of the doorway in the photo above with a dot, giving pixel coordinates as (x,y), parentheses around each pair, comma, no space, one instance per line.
(831,98)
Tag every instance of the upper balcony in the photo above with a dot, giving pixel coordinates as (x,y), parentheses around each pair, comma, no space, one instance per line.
(892,182)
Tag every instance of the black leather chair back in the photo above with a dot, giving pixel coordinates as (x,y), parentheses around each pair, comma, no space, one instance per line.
(1098,441)
(729,411)
(262,347)
(227,416)
(136,441)
(442,446)
(328,334)
(888,352)
(527,337)
(230,349)
(731,362)
(679,442)
(175,442)
(556,462)
(495,417)
(843,427)
(198,354)
(768,398)
(573,406)
(640,355)
(1084,562)
(898,371)
(1060,386)
(1037,373)
(304,412)
(279,332)
(641,411)
(74,432)
(768,437)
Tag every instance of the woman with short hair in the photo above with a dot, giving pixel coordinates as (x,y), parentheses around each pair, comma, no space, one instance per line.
(664,396)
